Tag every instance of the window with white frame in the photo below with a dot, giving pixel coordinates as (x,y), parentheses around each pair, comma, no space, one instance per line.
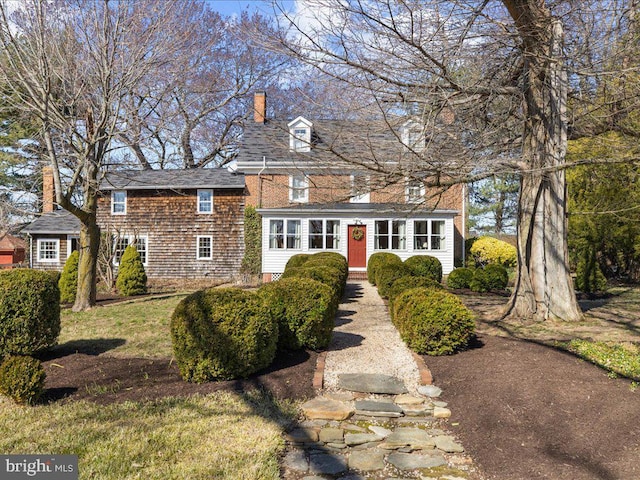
(360,188)
(413,136)
(205,200)
(429,235)
(390,235)
(285,234)
(205,247)
(119,202)
(298,188)
(415,191)
(122,242)
(300,135)
(73,244)
(324,234)
(48,249)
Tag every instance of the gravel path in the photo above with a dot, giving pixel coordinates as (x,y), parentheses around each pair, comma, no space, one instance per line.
(365,340)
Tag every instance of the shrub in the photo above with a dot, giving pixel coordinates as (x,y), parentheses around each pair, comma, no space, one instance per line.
(589,277)
(407,283)
(425,266)
(132,279)
(377,260)
(329,276)
(460,278)
(432,321)
(497,276)
(389,273)
(333,260)
(486,250)
(222,334)
(252,260)
(304,310)
(29,311)
(68,282)
(22,379)
(297,260)
(480,281)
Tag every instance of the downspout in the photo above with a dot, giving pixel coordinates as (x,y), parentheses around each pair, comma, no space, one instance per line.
(264,166)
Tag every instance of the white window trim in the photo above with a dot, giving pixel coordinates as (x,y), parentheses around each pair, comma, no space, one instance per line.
(285,235)
(410,129)
(324,234)
(407,192)
(364,197)
(299,143)
(198,257)
(198,196)
(48,260)
(305,189)
(113,194)
(390,235)
(69,238)
(429,234)
(129,239)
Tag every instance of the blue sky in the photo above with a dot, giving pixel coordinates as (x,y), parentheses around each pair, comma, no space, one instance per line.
(230,7)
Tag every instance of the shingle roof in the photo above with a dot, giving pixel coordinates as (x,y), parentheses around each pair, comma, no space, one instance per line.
(172,179)
(9,242)
(56,222)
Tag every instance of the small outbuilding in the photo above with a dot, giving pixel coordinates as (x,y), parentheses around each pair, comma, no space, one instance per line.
(12,251)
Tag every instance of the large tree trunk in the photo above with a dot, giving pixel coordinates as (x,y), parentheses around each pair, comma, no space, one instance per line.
(544,289)
(87,264)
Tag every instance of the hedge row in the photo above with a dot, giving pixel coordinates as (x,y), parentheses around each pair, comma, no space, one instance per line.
(483,279)
(384,268)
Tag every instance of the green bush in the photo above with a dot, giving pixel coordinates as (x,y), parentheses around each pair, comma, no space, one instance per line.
(589,277)
(425,266)
(407,283)
(333,260)
(376,261)
(486,250)
(22,379)
(304,310)
(387,274)
(252,260)
(330,276)
(432,321)
(460,278)
(68,282)
(297,260)
(29,311)
(132,279)
(222,334)
(497,276)
(480,281)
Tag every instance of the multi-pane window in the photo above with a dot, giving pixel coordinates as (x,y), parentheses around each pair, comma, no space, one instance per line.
(205,247)
(122,242)
(429,235)
(415,191)
(48,249)
(299,188)
(119,202)
(324,234)
(360,188)
(205,200)
(285,234)
(300,140)
(390,235)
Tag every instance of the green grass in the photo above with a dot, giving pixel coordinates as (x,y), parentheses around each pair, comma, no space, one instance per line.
(617,358)
(142,324)
(222,435)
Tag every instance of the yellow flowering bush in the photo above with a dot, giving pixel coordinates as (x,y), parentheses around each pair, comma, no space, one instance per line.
(487,250)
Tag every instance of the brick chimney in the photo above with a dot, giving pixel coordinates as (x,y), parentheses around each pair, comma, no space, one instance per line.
(48,190)
(259,107)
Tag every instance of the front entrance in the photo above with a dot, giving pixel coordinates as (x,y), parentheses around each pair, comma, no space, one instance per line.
(357,247)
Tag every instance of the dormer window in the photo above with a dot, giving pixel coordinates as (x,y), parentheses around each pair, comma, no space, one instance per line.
(300,135)
(415,191)
(413,136)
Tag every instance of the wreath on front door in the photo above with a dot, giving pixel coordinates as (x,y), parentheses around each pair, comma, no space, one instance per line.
(357,233)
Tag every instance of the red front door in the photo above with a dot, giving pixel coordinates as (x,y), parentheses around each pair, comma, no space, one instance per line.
(357,254)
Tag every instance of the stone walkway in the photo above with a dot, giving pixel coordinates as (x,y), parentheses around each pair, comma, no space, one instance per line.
(374,417)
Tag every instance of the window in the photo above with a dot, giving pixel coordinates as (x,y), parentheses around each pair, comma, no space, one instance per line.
(429,235)
(360,188)
(390,235)
(205,201)
(73,244)
(300,143)
(413,136)
(298,188)
(300,135)
(285,234)
(324,234)
(119,202)
(48,249)
(205,248)
(415,191)
(121,243)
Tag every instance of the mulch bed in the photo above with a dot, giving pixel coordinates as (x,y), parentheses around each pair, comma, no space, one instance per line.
(103,379)
(528,411)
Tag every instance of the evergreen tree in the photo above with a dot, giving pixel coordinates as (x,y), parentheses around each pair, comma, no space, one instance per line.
(132,279)
(68,282)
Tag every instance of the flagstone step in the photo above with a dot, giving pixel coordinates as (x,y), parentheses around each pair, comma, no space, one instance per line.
(371,383)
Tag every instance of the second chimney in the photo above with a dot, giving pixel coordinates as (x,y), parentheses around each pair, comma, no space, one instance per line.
(48,190)
(259,107)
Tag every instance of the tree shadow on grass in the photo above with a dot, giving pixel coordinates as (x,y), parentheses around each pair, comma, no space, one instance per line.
(94,346)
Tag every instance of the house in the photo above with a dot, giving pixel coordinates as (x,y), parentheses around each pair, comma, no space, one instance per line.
(345,186)
(12,251)
(184,223)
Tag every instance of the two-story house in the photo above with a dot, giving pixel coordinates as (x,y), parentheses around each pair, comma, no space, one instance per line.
(346,187)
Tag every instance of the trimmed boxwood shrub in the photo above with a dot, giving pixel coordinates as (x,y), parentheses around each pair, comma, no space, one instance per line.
(333,260)
(304,309)
(29,311)
(486,250)
(223,334)
(480,281)
(22,379)
(432,321)
(497,276)
(132,279)
(297,260)
(330,276)
(68,282)
(460,278)
(425,266)
(389,273)
(377,260)
(407,283)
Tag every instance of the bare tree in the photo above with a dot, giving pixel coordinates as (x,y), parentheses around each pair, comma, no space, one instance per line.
(72,64)
(488,81)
